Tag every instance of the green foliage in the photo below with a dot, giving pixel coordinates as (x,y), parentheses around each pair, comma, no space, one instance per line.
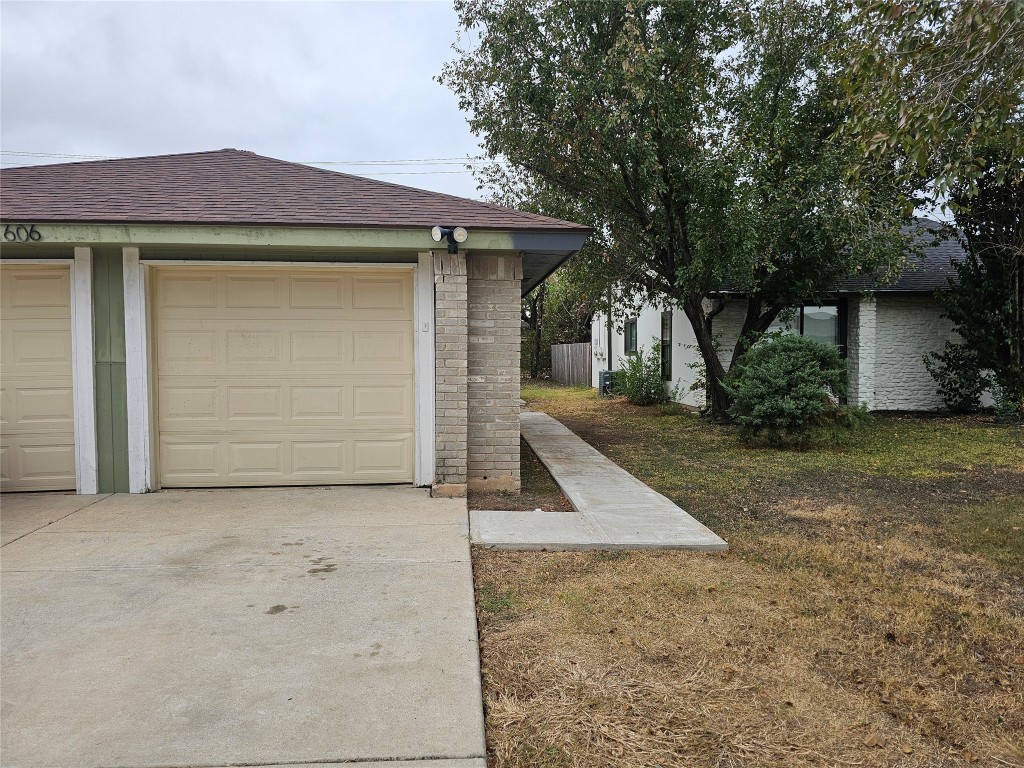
(938,83)
(1009,406)
(572,296)
(639,377)
(785,387)
(957,372)
(986,301)
(700,139)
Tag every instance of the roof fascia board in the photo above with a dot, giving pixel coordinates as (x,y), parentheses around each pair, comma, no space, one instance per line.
(211,236)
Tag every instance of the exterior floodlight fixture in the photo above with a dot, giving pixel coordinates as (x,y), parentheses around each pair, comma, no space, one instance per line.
(454,235)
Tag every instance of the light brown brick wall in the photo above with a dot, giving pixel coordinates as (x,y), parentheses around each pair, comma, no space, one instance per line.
(451,418)
(493,371)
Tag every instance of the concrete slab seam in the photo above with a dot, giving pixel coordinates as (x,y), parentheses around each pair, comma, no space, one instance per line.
(59,519)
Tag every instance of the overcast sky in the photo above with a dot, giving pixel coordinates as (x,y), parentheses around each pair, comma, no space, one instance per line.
(301,81)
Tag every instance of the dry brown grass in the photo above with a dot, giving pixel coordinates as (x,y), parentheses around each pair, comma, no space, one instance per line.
(847,626)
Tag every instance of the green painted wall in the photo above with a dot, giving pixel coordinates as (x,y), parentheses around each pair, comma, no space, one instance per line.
(111,382)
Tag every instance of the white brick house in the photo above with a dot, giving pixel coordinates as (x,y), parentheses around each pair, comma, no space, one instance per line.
(884,335)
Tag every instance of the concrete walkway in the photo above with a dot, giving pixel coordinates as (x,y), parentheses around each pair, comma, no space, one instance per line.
(276,627)
(614,510)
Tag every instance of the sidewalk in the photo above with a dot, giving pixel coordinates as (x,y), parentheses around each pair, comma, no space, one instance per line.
(614,510)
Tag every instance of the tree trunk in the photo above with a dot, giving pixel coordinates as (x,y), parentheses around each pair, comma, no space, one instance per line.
(714,370)
(536,322)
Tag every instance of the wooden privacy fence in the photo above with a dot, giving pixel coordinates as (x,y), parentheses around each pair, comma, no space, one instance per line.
(570,363)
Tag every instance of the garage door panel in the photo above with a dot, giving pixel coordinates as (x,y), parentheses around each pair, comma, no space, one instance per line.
(255,403)
(188,292)
(388,400)
(319,403)
(317,459)
(297,380)
(37,463)
(249,346)
(36,402)
(194,461)
(33,291)
(317,292)
(323,347)
(382,402)
(297,459)
(267,347)
(381,457)
(44,407)
(253,292)
(382,292)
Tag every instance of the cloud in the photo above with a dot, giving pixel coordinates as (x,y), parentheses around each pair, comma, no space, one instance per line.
(302,81)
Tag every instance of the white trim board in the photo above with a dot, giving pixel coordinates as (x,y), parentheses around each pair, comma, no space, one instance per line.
(136,350)
(83,381)
(423,333)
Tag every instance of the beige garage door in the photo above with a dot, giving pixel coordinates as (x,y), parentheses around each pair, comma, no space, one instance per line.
(37,437)
(287,376)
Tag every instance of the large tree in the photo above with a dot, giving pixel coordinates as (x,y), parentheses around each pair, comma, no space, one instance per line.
(940,84)
(937,88)
(986,301)
(560,309)
(703,136)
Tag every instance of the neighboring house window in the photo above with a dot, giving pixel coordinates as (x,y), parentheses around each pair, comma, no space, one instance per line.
(630,337)
(824,322)
(666,346)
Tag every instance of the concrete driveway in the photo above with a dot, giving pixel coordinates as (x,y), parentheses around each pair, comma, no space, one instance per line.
(238,628)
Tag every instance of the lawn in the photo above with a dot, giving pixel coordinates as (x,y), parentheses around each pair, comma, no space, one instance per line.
(870,611)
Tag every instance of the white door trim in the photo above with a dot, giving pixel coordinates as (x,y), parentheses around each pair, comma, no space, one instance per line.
(423,332)
(83,383)
(136,350)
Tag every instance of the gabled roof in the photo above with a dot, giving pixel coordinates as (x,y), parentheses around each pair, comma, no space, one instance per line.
(235,187)
(924,274)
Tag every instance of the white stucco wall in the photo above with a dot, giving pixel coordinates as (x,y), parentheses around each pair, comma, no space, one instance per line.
(887,339)
(648,328)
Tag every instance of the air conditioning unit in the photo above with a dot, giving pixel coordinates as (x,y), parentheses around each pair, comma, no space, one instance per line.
(606,383)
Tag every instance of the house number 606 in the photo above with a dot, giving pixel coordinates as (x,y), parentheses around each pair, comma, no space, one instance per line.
(21,233)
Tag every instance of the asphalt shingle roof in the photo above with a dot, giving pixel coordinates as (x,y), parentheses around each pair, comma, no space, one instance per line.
(231,186)
(925,274)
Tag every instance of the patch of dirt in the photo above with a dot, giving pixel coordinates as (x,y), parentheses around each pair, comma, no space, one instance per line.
(539,489)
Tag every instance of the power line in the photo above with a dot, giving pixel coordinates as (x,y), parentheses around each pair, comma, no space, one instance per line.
(474,161)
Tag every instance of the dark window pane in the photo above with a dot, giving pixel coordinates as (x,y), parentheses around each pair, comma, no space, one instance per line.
(822,323)
(630,334)
(666,346)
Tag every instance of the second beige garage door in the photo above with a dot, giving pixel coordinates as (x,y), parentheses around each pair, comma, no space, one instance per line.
(271,376)
(37,438)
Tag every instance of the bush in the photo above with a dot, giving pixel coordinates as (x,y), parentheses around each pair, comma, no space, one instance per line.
(785,387)
(957,371)
(639,378)
(1009,407)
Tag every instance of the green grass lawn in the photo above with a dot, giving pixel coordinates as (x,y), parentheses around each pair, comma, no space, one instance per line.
(870,610)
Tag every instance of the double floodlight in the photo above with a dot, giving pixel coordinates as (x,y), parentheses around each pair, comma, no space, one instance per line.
(454,236)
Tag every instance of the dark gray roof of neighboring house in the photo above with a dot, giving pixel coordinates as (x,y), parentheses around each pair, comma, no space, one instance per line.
(235,187)
(928,273)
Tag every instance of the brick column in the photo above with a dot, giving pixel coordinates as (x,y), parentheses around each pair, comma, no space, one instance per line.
(450,391)
(493,380)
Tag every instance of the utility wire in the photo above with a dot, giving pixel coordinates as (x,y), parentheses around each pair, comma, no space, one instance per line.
(474,161)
